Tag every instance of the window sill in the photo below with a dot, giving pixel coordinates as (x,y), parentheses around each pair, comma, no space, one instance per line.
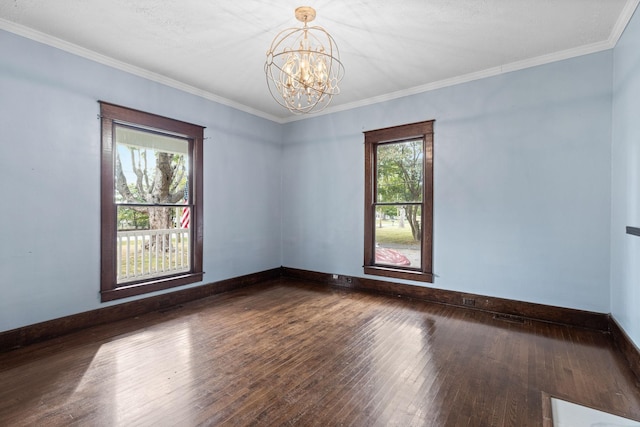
(133,289)
(399,274)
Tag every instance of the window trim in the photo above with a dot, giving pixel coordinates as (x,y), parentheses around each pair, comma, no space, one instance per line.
(372,139)
(110,116)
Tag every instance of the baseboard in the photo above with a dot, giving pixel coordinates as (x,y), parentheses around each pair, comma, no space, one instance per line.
(30,334)
(540,312)
(628,349)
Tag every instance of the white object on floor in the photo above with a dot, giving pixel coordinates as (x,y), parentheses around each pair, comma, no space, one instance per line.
(567,414)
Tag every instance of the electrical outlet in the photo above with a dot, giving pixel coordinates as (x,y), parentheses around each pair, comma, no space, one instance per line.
(469,302)
(334,276)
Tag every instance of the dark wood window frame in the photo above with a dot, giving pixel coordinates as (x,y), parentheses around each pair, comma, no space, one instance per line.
(112,115)
(373,139)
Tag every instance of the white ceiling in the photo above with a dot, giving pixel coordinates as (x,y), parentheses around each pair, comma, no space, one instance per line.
(217,49)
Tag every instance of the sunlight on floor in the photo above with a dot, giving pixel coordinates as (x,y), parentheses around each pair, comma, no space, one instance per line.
(135,376)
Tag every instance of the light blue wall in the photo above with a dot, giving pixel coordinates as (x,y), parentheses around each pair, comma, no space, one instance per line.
(50,172)
(625,185)
(522,184)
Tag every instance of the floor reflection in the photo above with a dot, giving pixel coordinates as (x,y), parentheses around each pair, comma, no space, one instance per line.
(131,376)
(403,382)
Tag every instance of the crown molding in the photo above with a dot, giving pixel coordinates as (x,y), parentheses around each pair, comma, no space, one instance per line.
(622,22)
(478,75)
(610,43)
(55,42)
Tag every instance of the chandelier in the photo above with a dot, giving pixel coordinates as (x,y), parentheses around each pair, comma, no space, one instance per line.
(303,66)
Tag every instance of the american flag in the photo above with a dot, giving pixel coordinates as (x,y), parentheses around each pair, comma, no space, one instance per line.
(186,212)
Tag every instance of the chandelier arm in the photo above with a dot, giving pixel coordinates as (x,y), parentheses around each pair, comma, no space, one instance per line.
(341,67)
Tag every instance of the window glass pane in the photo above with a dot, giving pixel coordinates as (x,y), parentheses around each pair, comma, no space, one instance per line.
(148,246)
(150,168)
(397,231)
(152,241)
(133,218)
(399,172)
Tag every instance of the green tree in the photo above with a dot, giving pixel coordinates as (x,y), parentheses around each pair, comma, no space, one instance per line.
(158,182)
(400,179)
(130,218)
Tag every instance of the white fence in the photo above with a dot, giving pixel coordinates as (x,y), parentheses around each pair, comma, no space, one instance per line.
(144,254)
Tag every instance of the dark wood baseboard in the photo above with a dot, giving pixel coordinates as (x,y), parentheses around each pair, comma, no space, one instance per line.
(629,350)
(540,312)
(30,334)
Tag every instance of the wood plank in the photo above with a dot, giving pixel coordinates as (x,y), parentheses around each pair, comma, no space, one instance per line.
(31,334)
(542,312)
(626,346)
(292,353)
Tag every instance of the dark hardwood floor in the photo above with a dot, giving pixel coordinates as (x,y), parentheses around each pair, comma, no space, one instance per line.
(290,353)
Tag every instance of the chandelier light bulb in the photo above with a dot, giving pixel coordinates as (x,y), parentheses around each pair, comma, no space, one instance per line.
(303,66)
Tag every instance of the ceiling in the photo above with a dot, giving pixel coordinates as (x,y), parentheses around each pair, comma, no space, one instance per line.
(217,49)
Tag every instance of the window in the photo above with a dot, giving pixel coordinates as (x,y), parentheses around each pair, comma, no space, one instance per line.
(151,202)
(398,220)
